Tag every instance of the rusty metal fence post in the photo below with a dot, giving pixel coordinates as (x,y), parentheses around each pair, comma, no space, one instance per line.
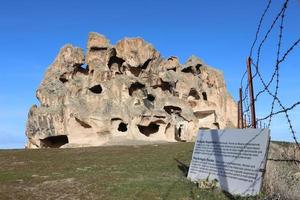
(251,93)
(241,109)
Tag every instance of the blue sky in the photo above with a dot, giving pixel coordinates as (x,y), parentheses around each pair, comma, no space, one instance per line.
(219,32)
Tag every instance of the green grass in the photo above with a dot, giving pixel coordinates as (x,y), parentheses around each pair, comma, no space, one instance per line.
(117,172)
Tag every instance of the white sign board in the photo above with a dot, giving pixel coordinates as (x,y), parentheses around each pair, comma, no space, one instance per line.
(236,158)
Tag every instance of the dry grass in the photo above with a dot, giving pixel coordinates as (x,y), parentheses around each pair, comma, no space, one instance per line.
(116,172)
(282,177)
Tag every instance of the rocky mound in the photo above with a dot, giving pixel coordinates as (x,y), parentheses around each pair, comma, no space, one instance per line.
(126,91)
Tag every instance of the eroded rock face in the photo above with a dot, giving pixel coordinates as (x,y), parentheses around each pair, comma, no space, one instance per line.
(126,91)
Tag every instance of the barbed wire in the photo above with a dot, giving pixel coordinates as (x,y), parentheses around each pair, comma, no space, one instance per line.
(289,50)
(275,76)
(245,93)
(259,26)
(274,73)
(280,111)
(267,35)
(277,62)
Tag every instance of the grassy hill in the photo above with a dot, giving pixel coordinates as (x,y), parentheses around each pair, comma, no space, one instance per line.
(113,172)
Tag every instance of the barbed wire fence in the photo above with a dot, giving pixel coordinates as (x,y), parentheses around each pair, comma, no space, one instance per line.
(269,86)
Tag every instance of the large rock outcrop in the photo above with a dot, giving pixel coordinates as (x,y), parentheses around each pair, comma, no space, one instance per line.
(126,91)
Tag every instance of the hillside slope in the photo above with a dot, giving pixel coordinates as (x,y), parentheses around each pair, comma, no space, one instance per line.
(155,171)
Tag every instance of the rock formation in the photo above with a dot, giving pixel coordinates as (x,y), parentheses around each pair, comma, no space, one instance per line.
(126,91)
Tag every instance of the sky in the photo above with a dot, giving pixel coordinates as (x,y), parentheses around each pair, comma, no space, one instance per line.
(219,32)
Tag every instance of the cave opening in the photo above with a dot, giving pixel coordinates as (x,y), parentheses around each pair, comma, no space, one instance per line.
(204,95)
(193,92)
(63,79)
(187,70)
(54,141)
(150,97)
(84,69)
(148,130)
(97,89)
(166,86)
(172,109)
(79,67)
(135,86)
(122,127)
(198,68)
(115,59)
(135,71)
(178,134)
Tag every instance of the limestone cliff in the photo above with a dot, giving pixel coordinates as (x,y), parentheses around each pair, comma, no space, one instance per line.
(126,91)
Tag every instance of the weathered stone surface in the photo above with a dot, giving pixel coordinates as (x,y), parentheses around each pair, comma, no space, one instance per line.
(97,41)
(126,91)
(136,52)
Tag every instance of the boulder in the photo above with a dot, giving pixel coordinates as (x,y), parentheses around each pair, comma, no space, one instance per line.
(125,92)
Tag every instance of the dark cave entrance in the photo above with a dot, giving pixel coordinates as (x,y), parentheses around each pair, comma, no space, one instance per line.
(97,89)
(150,97)
(204,95)
(172,109)
(193,92)
(135,86)
(115,60)
(148,130)
(179,133)
(122,127)
(54,141)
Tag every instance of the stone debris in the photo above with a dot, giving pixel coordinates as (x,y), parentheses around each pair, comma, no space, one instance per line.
(126,91)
